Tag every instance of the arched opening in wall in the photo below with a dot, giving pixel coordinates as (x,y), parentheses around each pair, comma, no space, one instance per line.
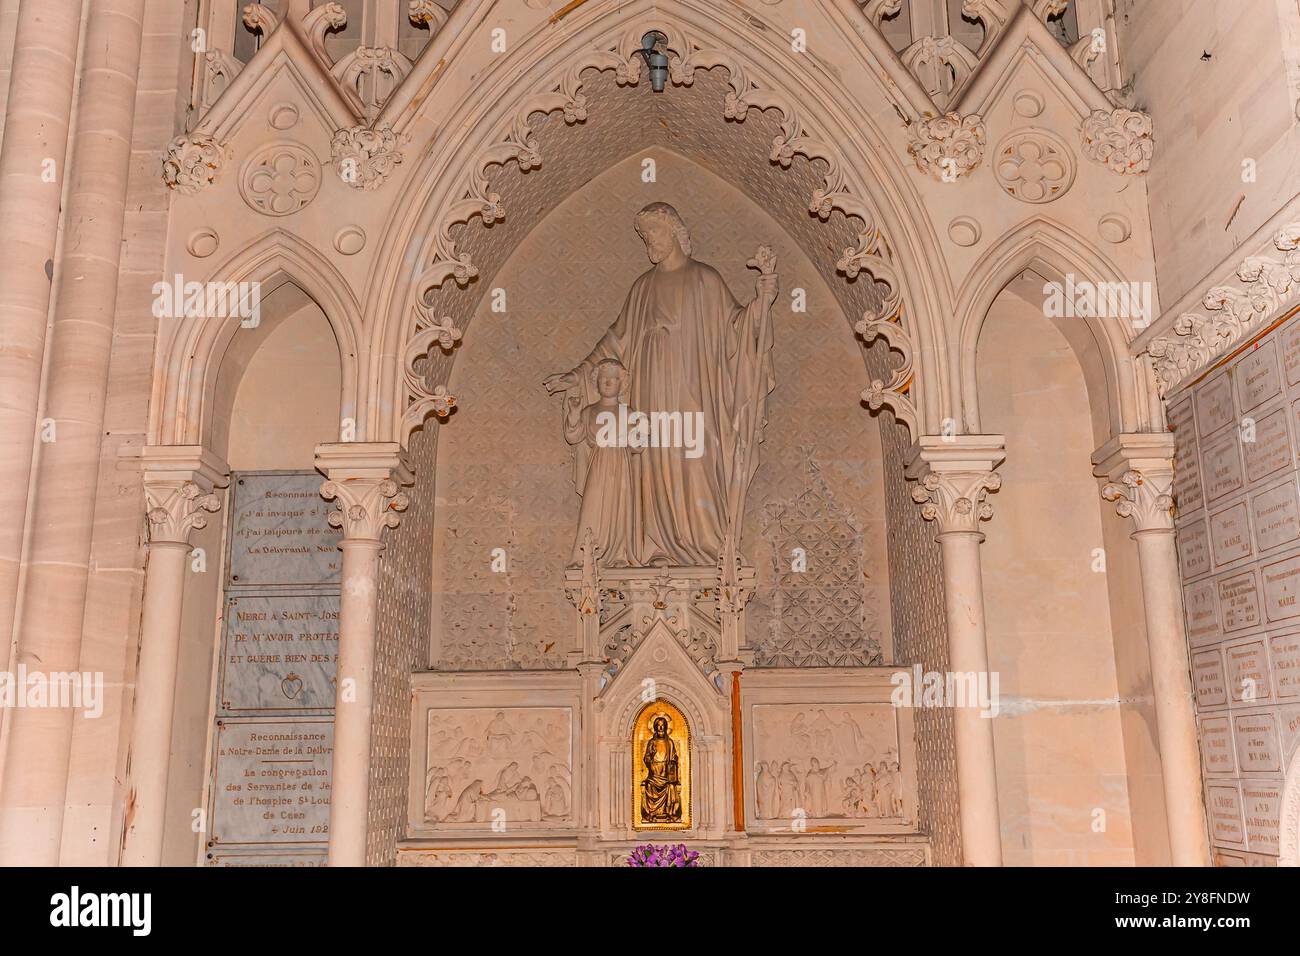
(1063,768)
(507,512)
(277,395)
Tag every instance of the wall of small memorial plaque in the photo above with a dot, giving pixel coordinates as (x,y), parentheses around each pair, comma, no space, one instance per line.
(1238,520)
(269,782)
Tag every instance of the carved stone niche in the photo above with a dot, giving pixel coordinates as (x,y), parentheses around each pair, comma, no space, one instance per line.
(827,751)
(661,670)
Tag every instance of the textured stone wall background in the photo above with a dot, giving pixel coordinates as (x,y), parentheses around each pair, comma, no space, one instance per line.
(402,647)
(921,637)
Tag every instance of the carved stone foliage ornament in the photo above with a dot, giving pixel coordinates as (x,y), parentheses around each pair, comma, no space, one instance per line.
(1146,498)
(191,163)
(364,157)
(175,508)
(280,179)
(1033,166)
(1121,140)
(424,397)
(1270,283)
(947,147)
(955,500)
(365,506)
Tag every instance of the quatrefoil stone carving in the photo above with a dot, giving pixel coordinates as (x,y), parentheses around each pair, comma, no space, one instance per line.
(1033,166)
(280,179)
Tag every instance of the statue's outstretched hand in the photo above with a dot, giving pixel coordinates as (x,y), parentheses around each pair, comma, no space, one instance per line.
(768,282)
(560,382)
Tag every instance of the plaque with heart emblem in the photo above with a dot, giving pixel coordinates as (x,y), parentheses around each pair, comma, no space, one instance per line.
(280,653)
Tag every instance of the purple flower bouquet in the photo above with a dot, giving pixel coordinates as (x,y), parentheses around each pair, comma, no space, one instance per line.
(650,855)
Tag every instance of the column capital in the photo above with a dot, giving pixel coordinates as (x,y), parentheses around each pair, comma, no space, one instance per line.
(954,474)
(363,479)
(179,489)
(1140,469)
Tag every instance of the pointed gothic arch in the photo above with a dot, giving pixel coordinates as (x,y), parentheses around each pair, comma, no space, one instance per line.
(1055,251)
(186,377)
(860,179)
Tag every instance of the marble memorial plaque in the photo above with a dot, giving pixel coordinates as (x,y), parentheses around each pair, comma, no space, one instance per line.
(1221,466)
(281,532)
(1211,683)
(1239,601)
(1216,745)
(280,653)
(1230,534)
(303,858)
(1262,802)
(1288,718)
(1271,448)
(1257,745)
(1282,588)
(1187,463)
(271,781)
(1248,671)
(1193,550)
(1202,613)
(1277,516)
(1258,377)
(1225,815)
(1214,404)
(1291,352)
(1285,650)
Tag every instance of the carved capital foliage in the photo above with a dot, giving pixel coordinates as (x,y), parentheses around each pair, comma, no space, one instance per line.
(947,147)
(191,163)
(955,499)
(365,506)
(1121,140)
(1270,282)
(1146,497)
(175,508)
(364,157)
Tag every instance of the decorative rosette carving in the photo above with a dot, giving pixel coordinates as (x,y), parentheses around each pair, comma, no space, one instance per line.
(948,146)
(191,163)
(1121,140)
(364,157)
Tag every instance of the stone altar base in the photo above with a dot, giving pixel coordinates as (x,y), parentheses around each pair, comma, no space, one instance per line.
(779,766)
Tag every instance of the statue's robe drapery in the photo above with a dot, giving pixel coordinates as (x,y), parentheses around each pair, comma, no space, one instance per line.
(689,346)
(662,802)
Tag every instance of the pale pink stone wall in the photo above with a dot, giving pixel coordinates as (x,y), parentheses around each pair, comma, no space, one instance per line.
(1058,739)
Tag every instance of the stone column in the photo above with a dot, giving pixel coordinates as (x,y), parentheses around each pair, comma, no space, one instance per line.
(178,488)
(363,479)
(32,178)
(1140,469)
(33,788)
(955,474)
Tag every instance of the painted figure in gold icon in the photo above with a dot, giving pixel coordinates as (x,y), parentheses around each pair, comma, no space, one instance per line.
(662,802)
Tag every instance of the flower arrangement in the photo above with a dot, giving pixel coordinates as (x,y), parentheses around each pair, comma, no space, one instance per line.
(650,855)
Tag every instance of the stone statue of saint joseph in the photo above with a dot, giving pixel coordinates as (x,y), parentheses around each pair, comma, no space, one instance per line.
(684,348)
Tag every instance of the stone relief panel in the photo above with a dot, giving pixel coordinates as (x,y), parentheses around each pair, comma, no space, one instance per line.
(499,767)
(280,179)
(507,488)
(826,762)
